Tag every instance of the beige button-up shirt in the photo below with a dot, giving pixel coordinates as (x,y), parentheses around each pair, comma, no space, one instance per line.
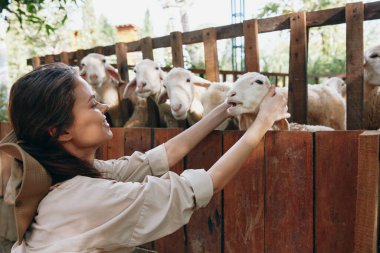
(99,215)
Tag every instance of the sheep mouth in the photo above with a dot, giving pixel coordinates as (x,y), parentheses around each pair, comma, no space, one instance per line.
(143,93)
(234,103)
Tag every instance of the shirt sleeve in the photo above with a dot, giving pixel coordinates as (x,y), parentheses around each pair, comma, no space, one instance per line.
(123,214)
(134,168)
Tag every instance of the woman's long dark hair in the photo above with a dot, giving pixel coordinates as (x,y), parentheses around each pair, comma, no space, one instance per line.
(40,101)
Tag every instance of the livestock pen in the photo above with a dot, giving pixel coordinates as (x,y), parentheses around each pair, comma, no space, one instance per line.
(299,191)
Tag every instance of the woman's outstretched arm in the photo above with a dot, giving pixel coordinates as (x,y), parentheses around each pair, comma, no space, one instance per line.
(273,108)
(180,145)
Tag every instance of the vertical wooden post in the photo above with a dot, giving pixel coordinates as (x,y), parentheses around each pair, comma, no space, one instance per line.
(367,197)
(79,55)
(36,62)
(147,48)
(211,54)
(122,61)
(244,201)
(297,99)
(122,66)
(64,56)
(177,51)
(354,65)
(251,45)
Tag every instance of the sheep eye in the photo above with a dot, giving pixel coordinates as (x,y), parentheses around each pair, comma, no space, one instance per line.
(164,86)
(156,68)
(259,81)
(83,64)
(134,71)
(188,80)
(374,56)
(104,60)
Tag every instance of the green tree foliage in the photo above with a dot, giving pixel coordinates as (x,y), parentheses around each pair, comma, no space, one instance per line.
(29,12)
(326,49)
(147,30)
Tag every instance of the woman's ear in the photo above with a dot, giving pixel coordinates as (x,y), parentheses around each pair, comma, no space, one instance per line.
(64,137)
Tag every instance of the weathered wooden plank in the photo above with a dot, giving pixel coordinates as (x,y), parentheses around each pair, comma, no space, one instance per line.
(175,242)
(354,65)
(64,56)
(121,59)
(146,48)
(122,66)
(98,50)
(289,192)
(297,100)
(177,49)
(244,202)
(367,200)
(204,231)
(115,146)
(36,62)
(211,54)
(49,59)
(335,190)
(251,46)
(137,139)
(79,56)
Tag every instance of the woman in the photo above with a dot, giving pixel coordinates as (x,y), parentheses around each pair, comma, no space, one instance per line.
(115,205)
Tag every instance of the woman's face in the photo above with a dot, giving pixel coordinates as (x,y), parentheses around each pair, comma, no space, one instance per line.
(90,128)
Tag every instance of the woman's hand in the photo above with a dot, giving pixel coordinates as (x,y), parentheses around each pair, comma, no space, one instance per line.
(273,108)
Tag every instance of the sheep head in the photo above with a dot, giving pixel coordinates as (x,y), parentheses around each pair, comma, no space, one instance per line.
(372,65)
(148,80)
(179,87)
(246,93)
(95,70)
(337,84)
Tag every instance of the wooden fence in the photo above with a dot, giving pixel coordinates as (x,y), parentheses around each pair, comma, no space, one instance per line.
(353,14)
(298,192)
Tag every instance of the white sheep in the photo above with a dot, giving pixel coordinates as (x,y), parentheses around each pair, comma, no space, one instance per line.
(184,90)
(214,95)
(105,80)
(147,85)
(371,88)
(325,107)
(338,84)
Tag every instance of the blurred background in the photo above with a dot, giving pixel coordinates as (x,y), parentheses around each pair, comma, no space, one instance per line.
(35,28)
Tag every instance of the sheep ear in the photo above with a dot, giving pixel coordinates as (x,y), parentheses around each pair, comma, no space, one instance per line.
(163,96)
(113,73)
(130,88)
(282,124)
(199,81)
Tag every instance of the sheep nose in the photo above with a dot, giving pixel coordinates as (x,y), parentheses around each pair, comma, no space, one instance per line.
(231,93)
(93,77)
(176,107)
